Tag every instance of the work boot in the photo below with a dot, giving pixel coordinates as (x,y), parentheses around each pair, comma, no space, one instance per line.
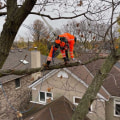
(65,60)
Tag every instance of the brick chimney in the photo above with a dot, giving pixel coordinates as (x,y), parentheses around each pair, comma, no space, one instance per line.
(36,62)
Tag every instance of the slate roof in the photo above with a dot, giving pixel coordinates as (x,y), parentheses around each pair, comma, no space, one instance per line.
(60,109)
(13,62)
(14,57)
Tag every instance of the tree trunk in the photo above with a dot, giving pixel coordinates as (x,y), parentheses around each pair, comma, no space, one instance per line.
(15,17)
(89,96)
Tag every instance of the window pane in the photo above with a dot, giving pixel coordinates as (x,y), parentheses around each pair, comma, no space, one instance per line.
(117,111)
(77,100)
(17,83)
(90,109)
(49,95)
(42,96)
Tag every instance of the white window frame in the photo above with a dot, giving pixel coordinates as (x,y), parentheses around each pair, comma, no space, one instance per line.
(15,83)
(74,99)
(116,102)
(77,103)
(46,97)
(49,97)
(39,97)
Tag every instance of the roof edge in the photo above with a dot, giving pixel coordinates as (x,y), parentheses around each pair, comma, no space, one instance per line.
(43,78)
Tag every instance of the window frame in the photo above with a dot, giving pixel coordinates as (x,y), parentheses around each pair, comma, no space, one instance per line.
(91,107)
(46,97)
(74,99)
(116,102)
(19,83)
(40,99)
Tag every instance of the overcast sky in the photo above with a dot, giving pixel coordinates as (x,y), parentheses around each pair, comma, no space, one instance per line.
(23,31)
(49,10)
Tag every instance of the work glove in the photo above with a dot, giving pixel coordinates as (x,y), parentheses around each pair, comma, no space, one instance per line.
(47,64)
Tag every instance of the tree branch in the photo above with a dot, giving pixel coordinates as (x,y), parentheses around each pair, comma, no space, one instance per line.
(40,69)
(55,18)
(3,13)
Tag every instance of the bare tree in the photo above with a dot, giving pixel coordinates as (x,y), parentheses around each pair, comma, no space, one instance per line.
(40,31)
(16,12)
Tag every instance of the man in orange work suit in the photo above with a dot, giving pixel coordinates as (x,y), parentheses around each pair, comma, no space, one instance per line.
(64,41)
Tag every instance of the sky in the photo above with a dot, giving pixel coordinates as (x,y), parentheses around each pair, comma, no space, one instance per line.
(23,31)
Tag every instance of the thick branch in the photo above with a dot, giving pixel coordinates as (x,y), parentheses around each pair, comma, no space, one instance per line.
(15,17)
(34,70)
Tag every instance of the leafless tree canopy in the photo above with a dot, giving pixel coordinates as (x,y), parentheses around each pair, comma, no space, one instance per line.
(40,31)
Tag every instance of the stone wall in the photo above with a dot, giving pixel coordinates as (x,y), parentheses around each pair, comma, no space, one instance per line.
(14,98)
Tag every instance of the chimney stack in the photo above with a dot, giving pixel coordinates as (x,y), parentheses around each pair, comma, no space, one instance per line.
(36,63)
(35,59)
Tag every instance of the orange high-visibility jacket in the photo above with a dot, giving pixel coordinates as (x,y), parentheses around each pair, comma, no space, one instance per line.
(70,39)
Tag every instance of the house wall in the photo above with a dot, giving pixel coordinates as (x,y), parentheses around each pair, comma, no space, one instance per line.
(110,110)
(68,87)
(18,98)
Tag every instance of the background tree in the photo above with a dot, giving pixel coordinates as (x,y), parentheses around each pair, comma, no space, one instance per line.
(40,31)
(21,43)
(40,36)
